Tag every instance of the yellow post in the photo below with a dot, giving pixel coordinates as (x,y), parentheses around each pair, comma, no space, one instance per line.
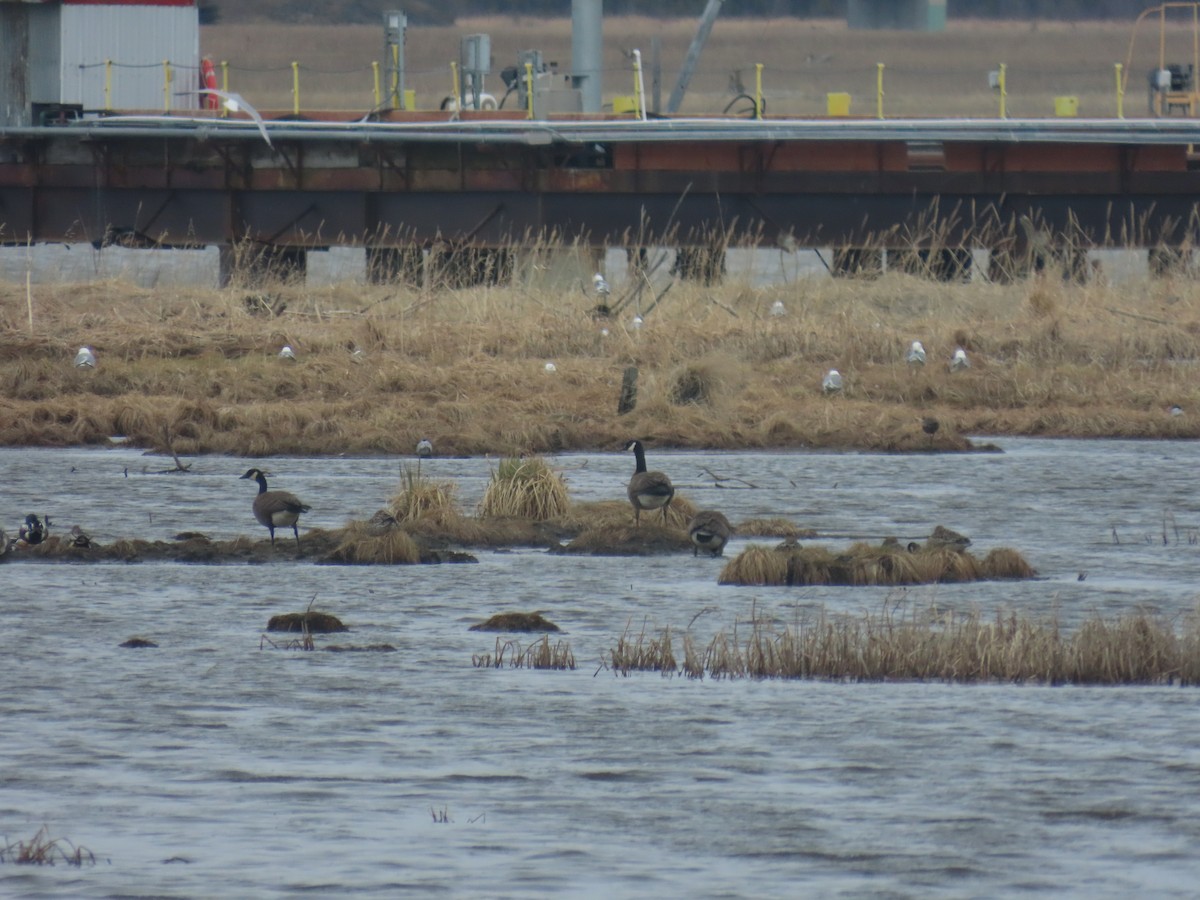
(879,90)
(375,72)
(1003,92)
(529,90)
(454,84)
(166,85)
(108,84)
(296,87)
(1120,92)
(224,87)
(758,67)
(637,83)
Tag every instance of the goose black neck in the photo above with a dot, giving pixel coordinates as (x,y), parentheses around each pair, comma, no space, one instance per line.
(640,455)
(262,482)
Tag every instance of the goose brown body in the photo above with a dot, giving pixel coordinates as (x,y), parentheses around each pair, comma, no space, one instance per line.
(709,530)
(276,509)
(648,490)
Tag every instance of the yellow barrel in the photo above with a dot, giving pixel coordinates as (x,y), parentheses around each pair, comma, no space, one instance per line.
(837,104)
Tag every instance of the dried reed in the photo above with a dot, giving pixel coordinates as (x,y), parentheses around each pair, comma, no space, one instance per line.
(43,850)
(525,488)
(539,655)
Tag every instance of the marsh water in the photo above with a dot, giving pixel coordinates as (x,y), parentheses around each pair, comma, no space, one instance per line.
(217,765)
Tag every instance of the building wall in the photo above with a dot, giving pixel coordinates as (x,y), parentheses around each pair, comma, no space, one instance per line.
(14,64)
(137,39)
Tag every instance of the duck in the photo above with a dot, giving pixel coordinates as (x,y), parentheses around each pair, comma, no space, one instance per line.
(424,448)
(34,531)
(648,490)
(276,509)
(709,530)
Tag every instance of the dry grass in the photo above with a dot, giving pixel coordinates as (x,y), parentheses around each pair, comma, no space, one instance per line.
(539,655)
(864,564)
(421,500)
(900,644)
(359,546)
(465,367)
(524,488)
(43,850)
(516,621)
(933,74)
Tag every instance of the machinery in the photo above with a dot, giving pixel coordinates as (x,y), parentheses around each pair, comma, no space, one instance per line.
(1172,85)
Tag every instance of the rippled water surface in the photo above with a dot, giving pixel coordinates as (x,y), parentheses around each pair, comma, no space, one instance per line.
(213,767)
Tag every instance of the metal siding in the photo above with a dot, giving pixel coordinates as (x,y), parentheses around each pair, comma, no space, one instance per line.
(14,65)
(137,39)
(44,54)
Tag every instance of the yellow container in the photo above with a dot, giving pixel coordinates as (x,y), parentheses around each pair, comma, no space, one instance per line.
(410,98)
(1066,106)
(837,104)
(624,103)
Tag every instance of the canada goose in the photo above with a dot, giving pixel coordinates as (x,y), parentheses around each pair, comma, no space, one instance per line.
(709,530)
(424,448)
(85,358)
(832,382)
(930,425)
(276,509)
(648,490)
(916,354)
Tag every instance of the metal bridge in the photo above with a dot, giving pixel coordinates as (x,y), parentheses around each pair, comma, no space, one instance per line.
(491,181)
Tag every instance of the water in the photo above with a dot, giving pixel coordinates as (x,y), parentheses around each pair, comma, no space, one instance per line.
(214,767)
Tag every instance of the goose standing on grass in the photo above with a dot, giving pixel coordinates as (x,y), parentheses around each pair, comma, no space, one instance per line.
(648,490)
(709,530)
(85,358)
(276,509)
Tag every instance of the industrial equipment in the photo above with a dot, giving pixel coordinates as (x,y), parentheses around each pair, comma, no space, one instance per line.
(1172,85)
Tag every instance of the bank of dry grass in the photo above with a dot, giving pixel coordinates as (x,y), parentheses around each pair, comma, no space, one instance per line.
(913,644)
(193,370)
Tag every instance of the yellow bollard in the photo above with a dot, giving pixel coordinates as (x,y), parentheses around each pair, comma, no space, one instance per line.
(108,84)
(1120,92)
(879,90)
(758,107)
(296,88)
(1003,91)
(637,83)
(454,84)
(166,85)
(397,101)
(529,90)
(378,96)
(224,87)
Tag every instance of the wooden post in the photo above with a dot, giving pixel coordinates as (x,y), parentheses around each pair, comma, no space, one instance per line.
(628,399)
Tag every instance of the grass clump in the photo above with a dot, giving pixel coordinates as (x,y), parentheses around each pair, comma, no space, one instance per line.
(911,644)
(525,488)
(515,621)
(539,655)
(643,653)
(421,500)
(864,564)
(43,850)
(363,545)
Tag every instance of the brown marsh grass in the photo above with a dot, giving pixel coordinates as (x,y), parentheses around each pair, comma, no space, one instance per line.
(539,655)
(191,366)
(359,546)
(912,644)
(864,564)
(43,850)
(926,74)
(524,488)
